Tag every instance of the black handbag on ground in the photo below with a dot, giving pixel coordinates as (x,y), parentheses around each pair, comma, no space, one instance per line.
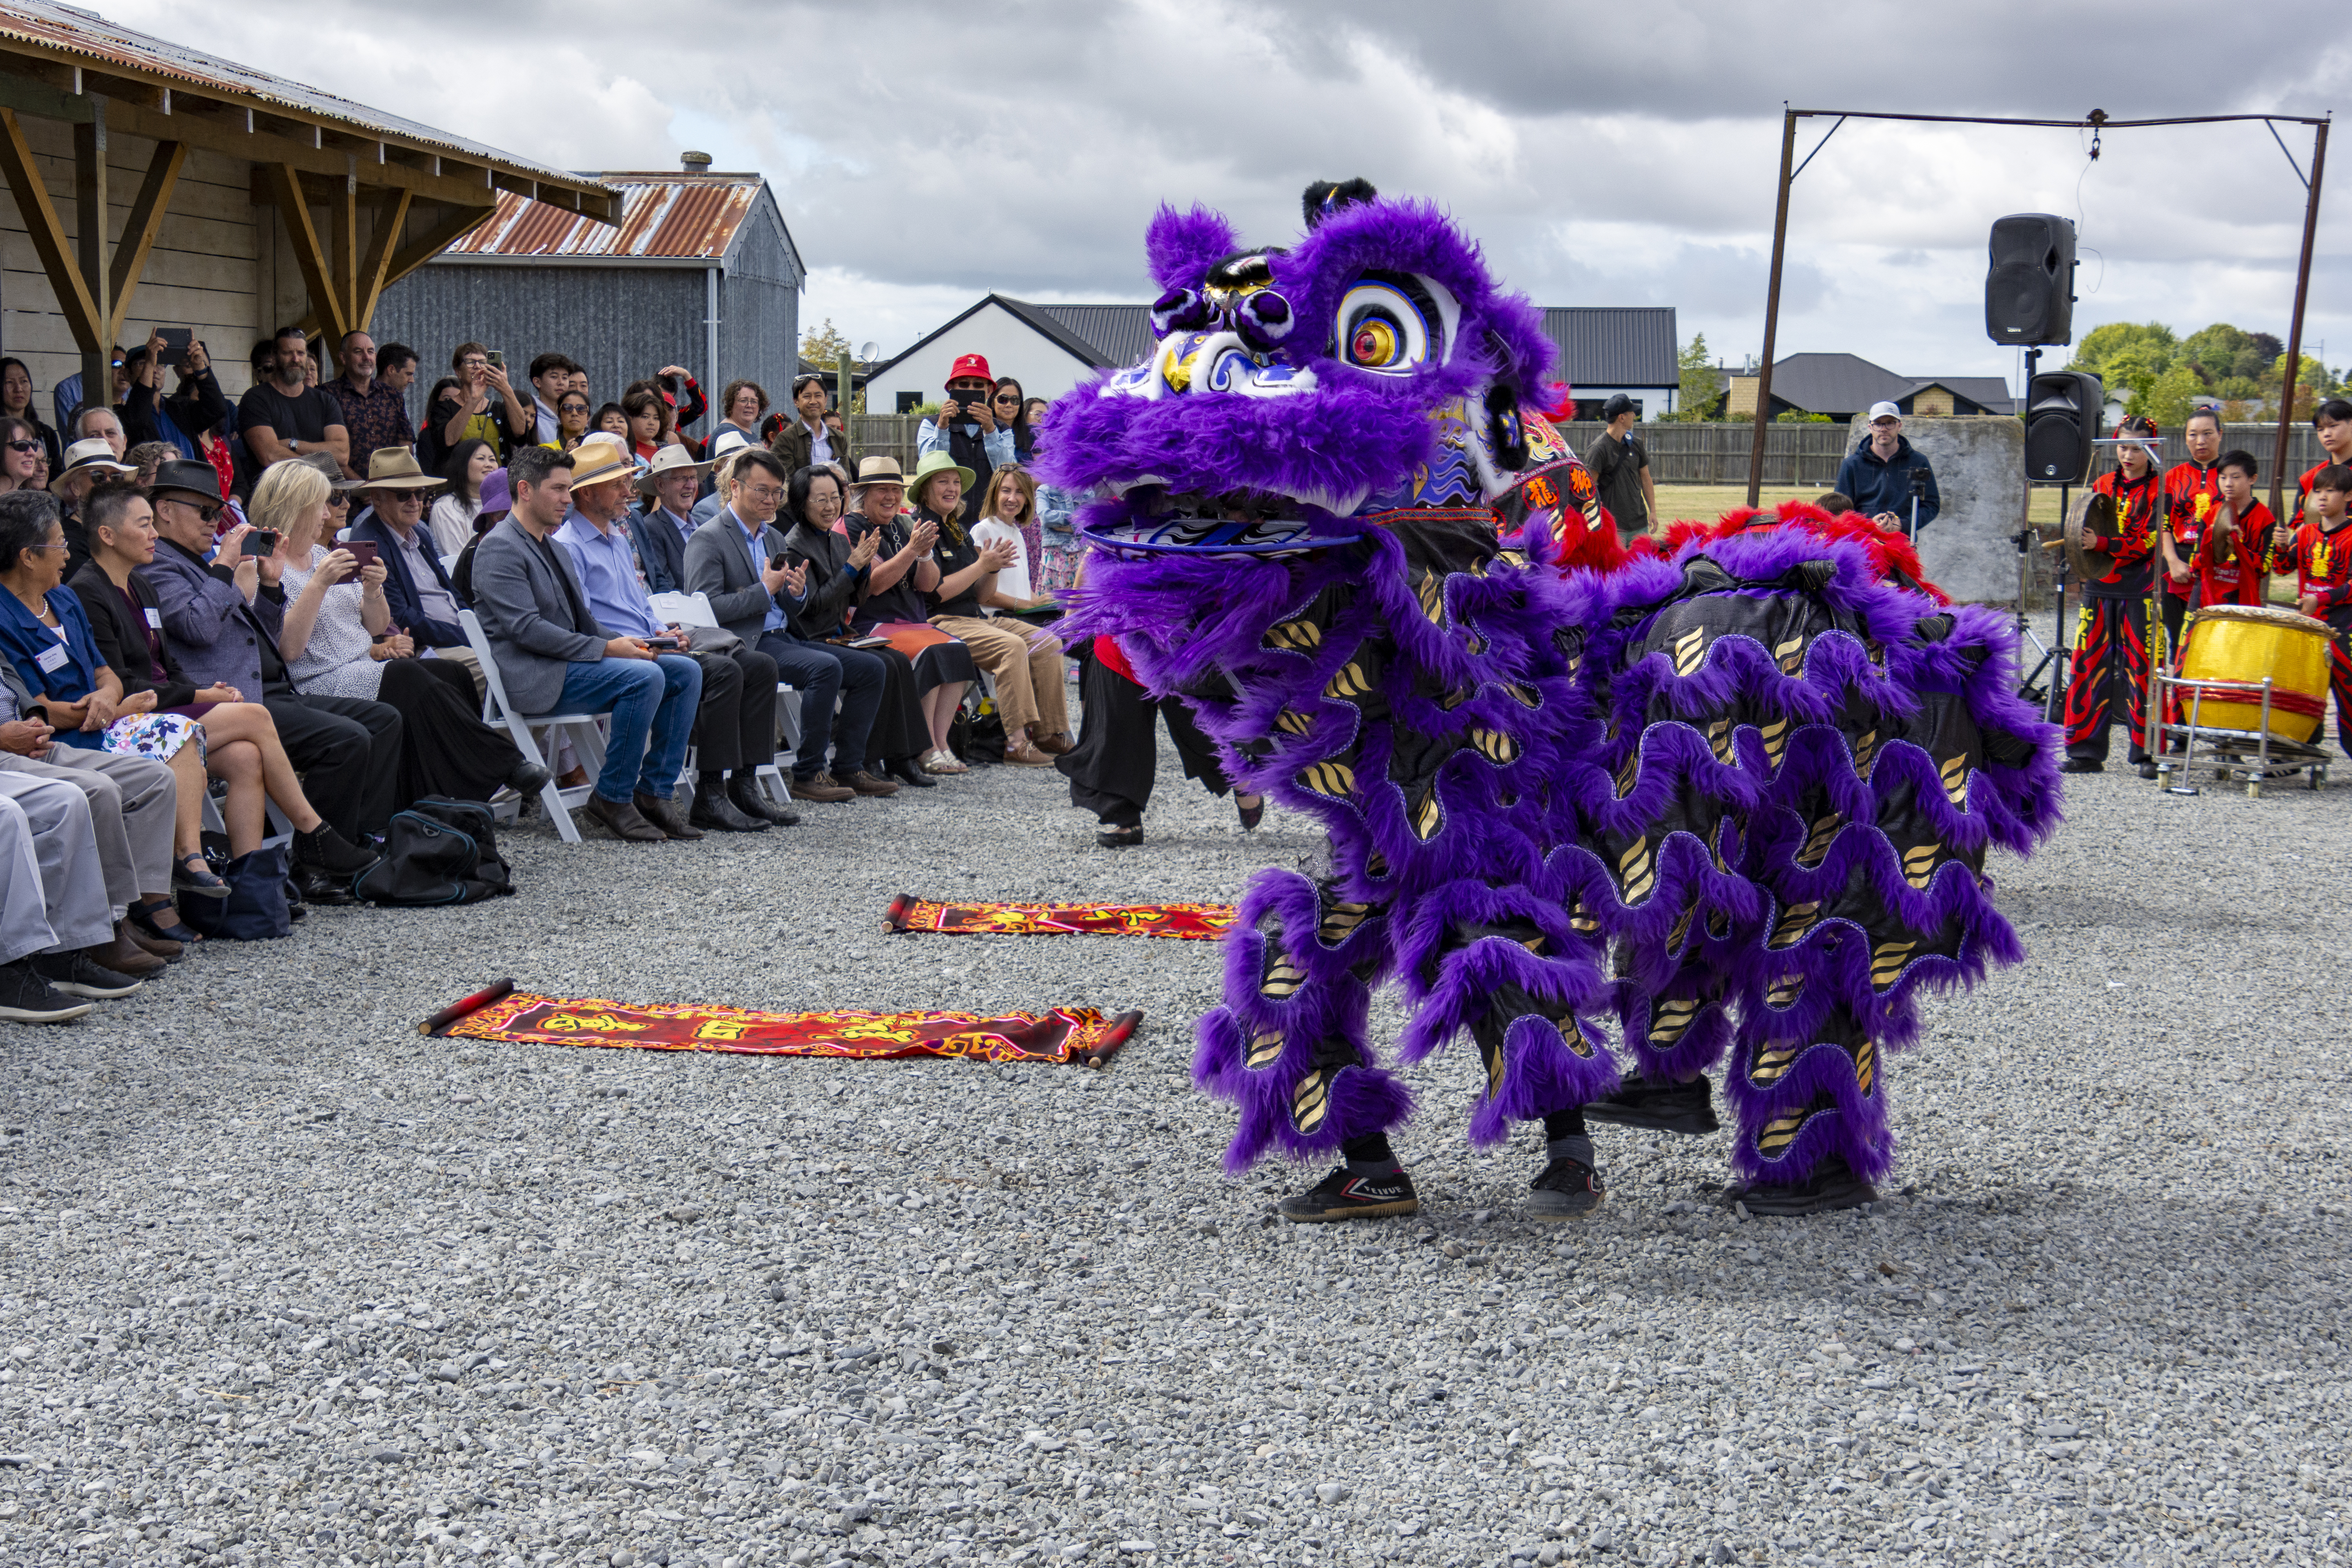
(255,909)
(438,851)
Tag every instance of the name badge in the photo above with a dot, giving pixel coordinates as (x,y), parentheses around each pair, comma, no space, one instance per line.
(53,659)
(155,619)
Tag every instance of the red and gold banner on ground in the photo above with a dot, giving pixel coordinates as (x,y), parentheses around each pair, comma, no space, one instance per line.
(1061,1035)
(1185,922)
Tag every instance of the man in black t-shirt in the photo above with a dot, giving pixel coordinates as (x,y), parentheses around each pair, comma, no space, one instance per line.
(1621,467)
(281,417)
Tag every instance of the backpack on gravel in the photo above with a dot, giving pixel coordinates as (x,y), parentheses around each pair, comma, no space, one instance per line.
(438,851)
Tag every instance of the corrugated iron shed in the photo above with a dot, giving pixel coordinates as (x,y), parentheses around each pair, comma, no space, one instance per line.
(70,31)
(664,217)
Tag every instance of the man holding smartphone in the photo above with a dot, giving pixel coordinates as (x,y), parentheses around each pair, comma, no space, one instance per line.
(967,428)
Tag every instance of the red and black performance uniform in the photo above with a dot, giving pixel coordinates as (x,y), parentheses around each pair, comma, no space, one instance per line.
(2110,662)
(2192,499)
(2239,580)
(2322,563)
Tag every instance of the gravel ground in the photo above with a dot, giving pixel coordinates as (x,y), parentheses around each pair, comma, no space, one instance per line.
(285,1283)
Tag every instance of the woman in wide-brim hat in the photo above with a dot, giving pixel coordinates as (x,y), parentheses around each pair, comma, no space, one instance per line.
(890,605)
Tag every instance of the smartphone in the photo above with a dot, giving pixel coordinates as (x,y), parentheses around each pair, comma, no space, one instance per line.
(176,341)
(362,551)
(499,358)
(261,541)
(884,642)
(668,644)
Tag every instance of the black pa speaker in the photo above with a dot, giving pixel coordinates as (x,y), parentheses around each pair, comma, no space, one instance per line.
(2029,290)
(2063,411)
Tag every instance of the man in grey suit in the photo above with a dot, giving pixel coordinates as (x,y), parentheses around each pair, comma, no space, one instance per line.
(729,559)
(221,620)
(553,657)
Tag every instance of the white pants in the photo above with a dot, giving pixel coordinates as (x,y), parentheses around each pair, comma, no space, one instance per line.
(52,886)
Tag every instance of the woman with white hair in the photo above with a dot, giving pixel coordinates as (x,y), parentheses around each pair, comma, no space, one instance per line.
(338,640)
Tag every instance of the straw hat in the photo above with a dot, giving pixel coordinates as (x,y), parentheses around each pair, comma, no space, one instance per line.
(937,463)
(395,468)
(669,460)
(878,470)
(94,457)
(595,462)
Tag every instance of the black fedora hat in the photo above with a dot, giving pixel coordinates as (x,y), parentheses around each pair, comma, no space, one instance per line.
(187,477)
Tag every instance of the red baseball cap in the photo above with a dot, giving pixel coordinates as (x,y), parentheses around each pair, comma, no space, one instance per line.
(970,364)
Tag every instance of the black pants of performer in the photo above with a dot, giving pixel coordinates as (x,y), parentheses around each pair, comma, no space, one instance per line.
(347,750)
(2176,618)
(736,725)
(899,733)
(1112,768)
(2110,669)
(2339,674)
(823,674)
(444,747)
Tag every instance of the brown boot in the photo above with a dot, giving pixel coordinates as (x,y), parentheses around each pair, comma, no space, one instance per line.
(124,957)
(162,947)
(662,814)
(863,783)
(621,819)
(1053,746)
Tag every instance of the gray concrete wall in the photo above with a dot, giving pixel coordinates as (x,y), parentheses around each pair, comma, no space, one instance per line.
(1979,466)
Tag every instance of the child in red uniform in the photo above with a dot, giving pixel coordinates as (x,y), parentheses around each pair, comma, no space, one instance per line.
(2191,494)
(2319,553)
(2110,662)
(2334,423)
(2229,560)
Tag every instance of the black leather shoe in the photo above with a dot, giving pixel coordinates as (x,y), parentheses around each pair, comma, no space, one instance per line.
(663,816)
(620,818)
(328,850)
(750,802)
(713,810)
(323,887)
(529,778)
(904,770)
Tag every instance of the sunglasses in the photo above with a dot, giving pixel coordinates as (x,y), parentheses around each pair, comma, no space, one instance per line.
(208,514)
(1008,397)
(25,447)
(339,501)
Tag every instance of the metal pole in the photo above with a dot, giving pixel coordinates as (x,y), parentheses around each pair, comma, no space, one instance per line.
(2294,326)
(710,338)
(1772,310)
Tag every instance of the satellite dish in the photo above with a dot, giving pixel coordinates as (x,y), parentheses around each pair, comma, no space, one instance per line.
(869,351)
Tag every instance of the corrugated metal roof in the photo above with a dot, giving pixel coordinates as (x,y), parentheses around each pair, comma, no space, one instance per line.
(69,30)
(1842,385)
(1608,346)
(1119,334)
(663,217)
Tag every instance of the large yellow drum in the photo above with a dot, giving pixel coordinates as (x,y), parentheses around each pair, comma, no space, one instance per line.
(2247,642)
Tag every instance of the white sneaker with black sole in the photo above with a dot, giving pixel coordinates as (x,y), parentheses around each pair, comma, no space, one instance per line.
(27,998)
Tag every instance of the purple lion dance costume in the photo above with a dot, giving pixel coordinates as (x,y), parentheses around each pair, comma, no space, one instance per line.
(1737,801)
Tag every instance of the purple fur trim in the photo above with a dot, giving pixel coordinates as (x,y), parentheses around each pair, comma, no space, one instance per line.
(1540,1075)
(1857,1127)
(1180,248)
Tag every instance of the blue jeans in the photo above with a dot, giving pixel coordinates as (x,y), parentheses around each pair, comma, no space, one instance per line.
(651,699)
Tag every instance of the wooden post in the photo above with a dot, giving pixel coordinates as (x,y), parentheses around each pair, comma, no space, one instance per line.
(90,217)
(2294,324)
(141,228)
(343,217)
(48,236)
(842,377)
(1772,310)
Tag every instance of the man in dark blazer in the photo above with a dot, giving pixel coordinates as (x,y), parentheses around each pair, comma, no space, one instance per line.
(553,657)
(745,596)
(418,591)
(221,621)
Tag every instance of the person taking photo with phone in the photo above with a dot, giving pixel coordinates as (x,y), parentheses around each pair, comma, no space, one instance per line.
(967,428)
(481,407)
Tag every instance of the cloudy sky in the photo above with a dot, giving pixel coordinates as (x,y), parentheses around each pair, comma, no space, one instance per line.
(924,152)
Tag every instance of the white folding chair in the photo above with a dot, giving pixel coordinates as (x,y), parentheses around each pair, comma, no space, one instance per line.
(691,610)
(586,738)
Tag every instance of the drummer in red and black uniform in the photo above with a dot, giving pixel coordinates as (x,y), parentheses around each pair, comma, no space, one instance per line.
(2192,492)
(2319,553)
(2110,662)
(2334,423)
(2230,557)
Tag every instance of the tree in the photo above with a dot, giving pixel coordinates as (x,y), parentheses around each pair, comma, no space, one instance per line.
(824,345)
(1700,397)
(2312,384)
(2166,397)
(2150,346)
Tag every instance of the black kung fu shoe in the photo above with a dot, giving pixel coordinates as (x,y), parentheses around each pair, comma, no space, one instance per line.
(1832,1186)
(1343,1194)
(1566,1189)
(1659,1106)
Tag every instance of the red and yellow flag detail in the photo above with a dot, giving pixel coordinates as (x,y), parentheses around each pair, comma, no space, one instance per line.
(1183,922)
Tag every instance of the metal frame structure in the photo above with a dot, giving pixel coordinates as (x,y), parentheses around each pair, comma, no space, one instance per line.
(2097,122)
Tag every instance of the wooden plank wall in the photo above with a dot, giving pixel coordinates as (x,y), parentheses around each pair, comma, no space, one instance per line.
(202,274)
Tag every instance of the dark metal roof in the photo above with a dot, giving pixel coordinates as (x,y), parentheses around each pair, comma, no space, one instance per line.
(1842,385)
(663,217)
(70,31)
(1615,345)
(1111,334)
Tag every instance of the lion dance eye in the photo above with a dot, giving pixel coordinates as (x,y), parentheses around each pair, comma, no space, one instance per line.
(1383,328)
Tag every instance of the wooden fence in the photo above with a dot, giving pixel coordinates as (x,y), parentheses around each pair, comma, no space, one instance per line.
(1796,456)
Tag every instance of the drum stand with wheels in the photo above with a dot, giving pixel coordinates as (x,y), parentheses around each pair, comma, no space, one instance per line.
(2274,756)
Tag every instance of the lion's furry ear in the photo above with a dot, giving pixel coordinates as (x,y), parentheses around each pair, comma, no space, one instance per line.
(1325,197)
(1180,248)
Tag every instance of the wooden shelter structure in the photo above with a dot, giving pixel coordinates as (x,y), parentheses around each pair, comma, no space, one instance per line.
(203,193)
